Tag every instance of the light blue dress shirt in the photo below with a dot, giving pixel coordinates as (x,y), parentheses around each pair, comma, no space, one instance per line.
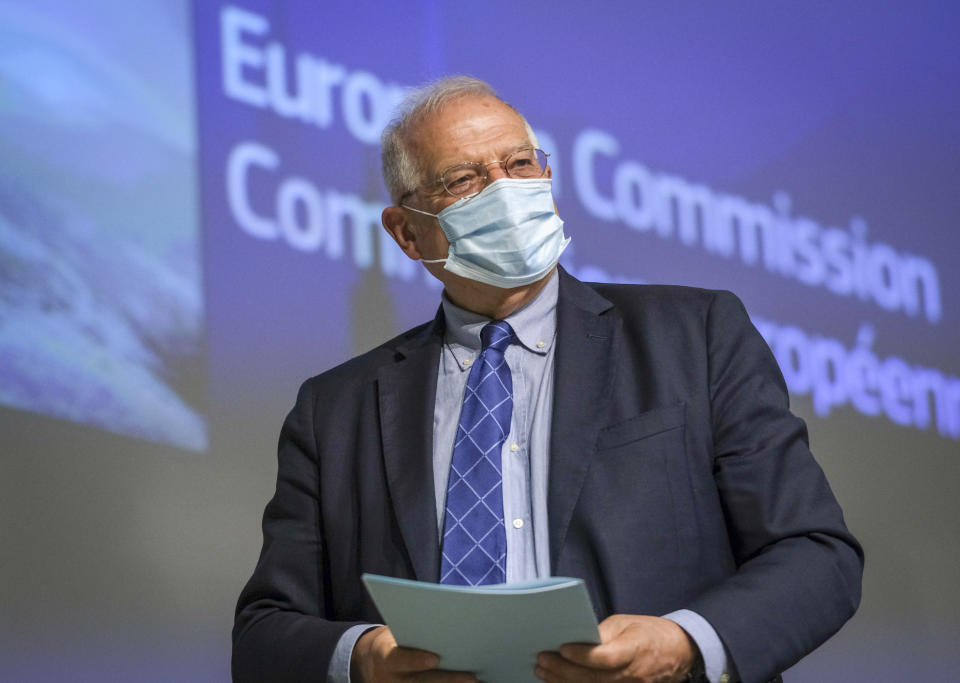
(525,455)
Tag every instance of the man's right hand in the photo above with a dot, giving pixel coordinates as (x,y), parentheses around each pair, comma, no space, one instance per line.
(377,657)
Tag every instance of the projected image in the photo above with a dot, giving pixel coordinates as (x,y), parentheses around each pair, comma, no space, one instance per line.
(833,279)
(101,309)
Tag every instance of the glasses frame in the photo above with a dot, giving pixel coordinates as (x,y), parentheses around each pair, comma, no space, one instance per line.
(486,171)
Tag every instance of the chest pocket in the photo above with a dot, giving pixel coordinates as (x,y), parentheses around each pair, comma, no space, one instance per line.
(642,427)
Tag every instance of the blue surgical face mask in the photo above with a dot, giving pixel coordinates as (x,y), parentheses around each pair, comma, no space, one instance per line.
(506,235)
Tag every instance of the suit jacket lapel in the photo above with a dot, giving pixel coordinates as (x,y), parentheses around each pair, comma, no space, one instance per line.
(583,379)
(407,390)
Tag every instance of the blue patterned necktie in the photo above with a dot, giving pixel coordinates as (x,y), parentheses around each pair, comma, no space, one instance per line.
(474,537)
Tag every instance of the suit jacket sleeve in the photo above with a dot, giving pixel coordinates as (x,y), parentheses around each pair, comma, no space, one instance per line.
(279,632)
(798,568)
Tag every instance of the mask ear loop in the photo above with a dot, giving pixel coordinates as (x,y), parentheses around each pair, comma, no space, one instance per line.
(425,213)
(432,215)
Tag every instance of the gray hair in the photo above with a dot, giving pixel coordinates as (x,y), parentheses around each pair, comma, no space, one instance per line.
(402,172)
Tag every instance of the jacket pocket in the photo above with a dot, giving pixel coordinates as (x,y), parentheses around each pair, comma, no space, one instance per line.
(648,424)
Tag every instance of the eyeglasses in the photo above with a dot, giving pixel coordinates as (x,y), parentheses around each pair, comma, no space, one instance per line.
(470,177)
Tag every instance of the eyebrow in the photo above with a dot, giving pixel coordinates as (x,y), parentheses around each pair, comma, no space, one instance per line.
(516,148)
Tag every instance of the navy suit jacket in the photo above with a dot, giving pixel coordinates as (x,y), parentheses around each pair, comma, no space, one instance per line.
(678,478)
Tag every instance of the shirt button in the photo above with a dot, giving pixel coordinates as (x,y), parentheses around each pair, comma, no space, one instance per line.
(541,344)
(517,523)
(467,362)
(514,447)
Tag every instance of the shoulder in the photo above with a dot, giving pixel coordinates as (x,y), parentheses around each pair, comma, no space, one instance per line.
(666,304)
(364,368)
(676,294)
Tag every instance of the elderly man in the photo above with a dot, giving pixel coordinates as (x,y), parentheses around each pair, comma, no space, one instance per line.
(637,437)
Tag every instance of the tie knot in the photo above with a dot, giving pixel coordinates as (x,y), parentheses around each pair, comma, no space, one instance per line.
(497,335)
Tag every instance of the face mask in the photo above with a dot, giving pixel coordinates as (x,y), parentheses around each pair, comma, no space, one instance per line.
(506,235)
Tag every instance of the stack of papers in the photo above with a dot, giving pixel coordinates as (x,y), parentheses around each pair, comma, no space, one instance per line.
(494,631)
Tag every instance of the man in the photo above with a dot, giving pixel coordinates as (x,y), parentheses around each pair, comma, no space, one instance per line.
(640,440)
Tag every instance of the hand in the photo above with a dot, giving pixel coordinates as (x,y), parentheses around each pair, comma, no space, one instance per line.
(633,648)
(377,657)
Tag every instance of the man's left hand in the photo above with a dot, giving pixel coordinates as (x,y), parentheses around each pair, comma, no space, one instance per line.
(632,648)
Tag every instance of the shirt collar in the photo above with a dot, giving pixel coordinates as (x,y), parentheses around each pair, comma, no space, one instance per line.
(535,324)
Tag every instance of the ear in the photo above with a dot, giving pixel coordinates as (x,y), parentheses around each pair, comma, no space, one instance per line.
(396,221)
(549,174)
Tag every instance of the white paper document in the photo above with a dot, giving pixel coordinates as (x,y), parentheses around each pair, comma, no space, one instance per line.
(494,631)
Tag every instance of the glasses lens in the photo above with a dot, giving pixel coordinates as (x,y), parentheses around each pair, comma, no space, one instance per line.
(464,179)
(469,178)
(526,163)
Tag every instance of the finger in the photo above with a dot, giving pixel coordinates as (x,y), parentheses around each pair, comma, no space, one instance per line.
(612,655)
(408,660)
(601,656)
(440,676)
(613,626)
(554,668)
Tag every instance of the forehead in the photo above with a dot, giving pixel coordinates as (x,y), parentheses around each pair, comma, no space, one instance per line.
(467,129)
